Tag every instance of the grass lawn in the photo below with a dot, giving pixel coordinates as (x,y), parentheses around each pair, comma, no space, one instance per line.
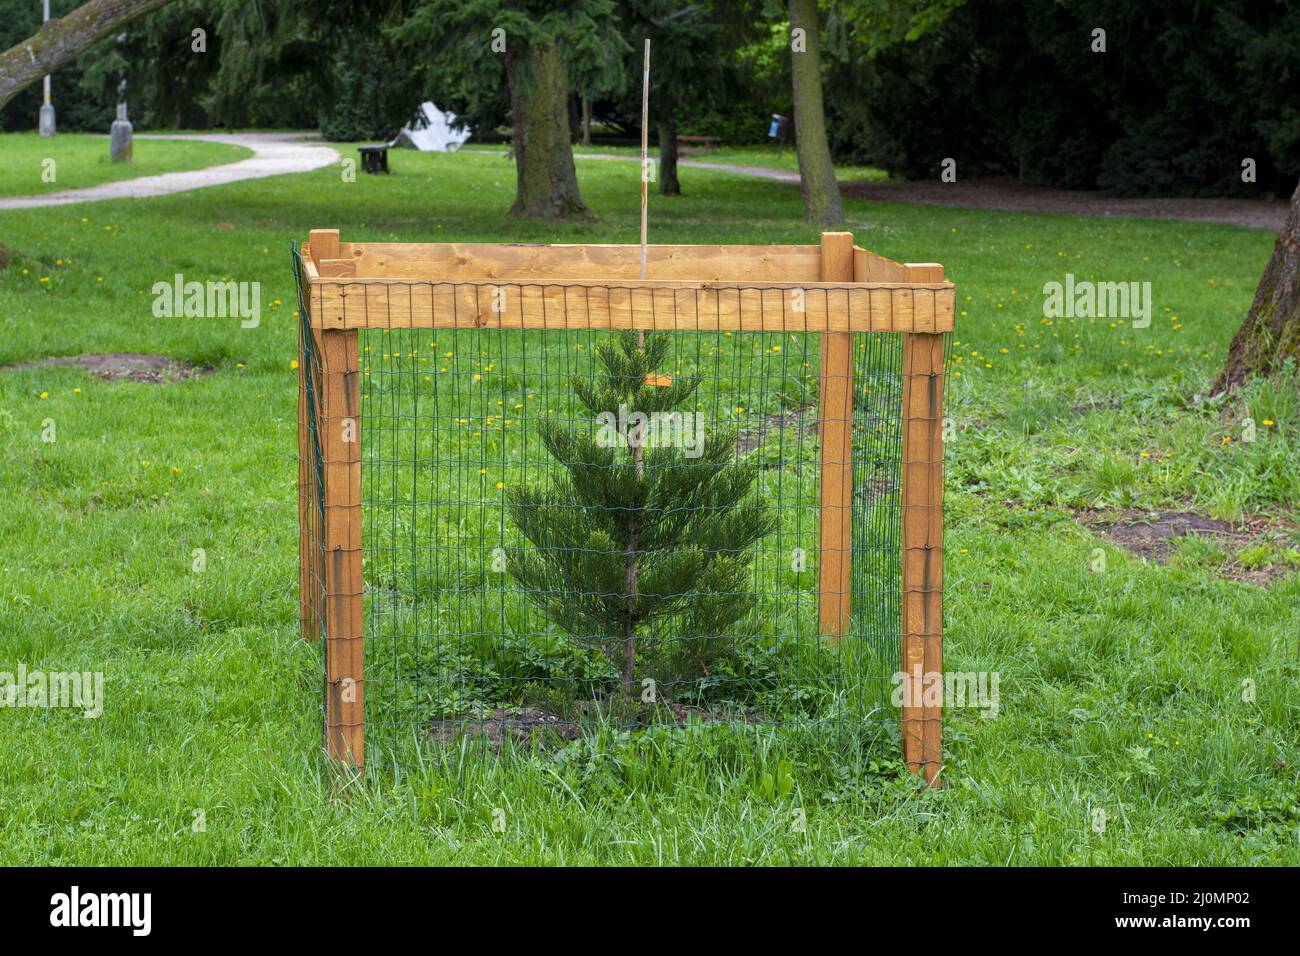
(1149,713)
(82,159)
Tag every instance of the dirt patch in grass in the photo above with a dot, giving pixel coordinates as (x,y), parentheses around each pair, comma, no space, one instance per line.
(521,726)
(1153,536)
(530,724)
(1097,405)
(752,438)
(123,366)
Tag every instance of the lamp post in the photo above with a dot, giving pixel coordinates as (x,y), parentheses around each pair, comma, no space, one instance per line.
(47,108)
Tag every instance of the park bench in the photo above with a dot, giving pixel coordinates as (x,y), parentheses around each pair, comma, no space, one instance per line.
(708,142)
(374,159)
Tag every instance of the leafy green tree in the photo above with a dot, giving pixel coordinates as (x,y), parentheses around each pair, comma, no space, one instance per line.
(631,536)
(522,57)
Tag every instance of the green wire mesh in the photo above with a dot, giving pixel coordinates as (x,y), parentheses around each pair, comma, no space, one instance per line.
(451,424)
(454,435)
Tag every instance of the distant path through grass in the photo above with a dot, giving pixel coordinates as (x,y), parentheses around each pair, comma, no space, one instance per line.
(272,154)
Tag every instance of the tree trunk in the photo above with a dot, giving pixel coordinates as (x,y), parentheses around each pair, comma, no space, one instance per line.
(60,41)
(1271,331)
(821,194)
(546,182)
(668,184)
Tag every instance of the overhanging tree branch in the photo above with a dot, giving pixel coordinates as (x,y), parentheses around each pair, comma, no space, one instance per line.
(60,41)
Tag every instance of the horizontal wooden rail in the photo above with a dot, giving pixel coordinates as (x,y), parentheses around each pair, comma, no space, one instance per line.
(518,262)
(343,303)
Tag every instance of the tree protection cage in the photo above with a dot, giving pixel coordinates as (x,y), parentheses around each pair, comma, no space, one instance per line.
(536,490)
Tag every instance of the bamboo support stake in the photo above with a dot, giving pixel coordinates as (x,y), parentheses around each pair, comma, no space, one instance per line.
(836,392)
(645,142)
(340,438)
(922,558)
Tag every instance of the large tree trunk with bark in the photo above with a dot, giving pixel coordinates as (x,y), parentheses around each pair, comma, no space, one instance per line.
(546,182)
(668,184)
(1271,331)
(60,41)
(821,194)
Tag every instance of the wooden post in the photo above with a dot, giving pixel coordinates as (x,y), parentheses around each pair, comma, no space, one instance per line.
(340,438)
(836,417)
(922,558)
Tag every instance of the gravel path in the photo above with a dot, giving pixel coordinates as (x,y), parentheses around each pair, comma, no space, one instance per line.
(759,172)
(273,155)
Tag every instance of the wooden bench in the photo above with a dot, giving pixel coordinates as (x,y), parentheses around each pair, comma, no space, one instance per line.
(374,159)
(708,142)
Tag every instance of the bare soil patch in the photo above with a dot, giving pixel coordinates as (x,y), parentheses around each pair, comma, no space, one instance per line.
(521,726)
(1097,405)
(123,366)
(528,724)
(752,438)
(1152,535)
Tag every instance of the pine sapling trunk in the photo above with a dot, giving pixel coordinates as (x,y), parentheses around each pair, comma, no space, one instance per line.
(629,636)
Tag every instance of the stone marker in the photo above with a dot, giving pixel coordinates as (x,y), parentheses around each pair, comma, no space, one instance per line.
(120,139)
(47,119)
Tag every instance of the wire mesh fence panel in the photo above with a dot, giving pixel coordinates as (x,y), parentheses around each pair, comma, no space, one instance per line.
(533,553)
(595,503)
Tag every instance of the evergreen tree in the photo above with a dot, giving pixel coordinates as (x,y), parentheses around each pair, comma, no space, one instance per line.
(636,531)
